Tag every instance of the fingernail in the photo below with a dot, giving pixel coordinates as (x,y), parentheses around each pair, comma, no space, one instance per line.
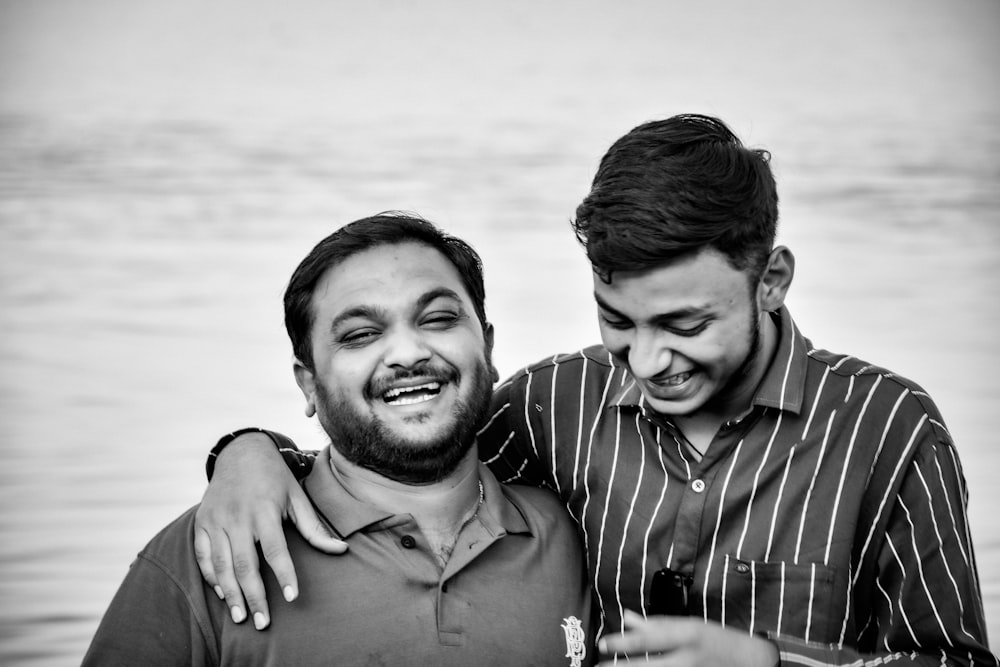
(218,591)
(238,614)
(602,646)
(259,621)
(289,593)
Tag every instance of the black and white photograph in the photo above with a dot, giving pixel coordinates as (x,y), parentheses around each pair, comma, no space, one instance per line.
(469,333)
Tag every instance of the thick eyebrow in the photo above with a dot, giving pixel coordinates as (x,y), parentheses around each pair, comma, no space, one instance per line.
(377,312)
(357,312)
(679,314)
(438,293)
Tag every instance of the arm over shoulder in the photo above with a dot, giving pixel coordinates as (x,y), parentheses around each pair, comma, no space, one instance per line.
(298,461)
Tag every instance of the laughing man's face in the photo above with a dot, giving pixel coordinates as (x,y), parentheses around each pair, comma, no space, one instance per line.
(402,374)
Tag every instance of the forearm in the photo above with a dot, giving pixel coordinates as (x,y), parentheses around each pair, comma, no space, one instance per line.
(299,462)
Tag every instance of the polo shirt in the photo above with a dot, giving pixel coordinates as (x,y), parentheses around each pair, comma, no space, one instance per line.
(830,517)
(514,591)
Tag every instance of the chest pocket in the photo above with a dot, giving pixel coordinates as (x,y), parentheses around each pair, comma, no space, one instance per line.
(782,598)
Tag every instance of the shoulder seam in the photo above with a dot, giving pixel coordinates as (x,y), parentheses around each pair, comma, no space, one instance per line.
(588,353)
(208,638)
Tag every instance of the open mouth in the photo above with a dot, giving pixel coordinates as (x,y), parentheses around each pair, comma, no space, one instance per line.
(410,395)
(676,380)
(672,387)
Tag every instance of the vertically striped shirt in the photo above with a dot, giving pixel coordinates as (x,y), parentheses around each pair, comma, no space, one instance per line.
(830,517)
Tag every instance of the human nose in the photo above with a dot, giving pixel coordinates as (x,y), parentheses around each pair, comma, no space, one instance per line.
(648,356)
(406,348)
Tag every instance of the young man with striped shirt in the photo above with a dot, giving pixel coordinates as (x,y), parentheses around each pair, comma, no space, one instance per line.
(744,496)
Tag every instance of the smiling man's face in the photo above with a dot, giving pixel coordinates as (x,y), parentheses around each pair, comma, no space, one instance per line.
(402,376)
(688,331)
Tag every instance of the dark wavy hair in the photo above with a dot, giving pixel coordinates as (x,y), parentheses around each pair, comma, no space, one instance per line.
(671,187)
(388,228)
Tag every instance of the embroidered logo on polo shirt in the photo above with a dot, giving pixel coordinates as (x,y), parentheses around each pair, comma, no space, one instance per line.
(576,647)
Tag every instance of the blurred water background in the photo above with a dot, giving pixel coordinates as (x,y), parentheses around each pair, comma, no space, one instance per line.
(165,165)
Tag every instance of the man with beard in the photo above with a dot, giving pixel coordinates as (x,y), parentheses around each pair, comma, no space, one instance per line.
(445,567)
(744,496)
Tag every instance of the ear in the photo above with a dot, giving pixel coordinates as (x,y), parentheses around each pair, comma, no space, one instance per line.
(307,383)
(488,336)
(776,279)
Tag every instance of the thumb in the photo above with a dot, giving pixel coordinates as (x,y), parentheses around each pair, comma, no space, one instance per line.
(311,527)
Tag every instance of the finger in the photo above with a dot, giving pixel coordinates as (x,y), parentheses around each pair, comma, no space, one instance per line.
(222,565)
(632,620)
(610,645)
(246,567)
(615,643)
(275,550)
(203,554)
(641,635)
(301,512)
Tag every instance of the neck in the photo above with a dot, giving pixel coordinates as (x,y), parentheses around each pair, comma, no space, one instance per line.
(439,508)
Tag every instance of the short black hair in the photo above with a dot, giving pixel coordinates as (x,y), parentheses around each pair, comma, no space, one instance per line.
(670,188)
(387,228)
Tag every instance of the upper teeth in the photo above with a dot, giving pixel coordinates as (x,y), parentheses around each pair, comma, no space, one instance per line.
(395,395)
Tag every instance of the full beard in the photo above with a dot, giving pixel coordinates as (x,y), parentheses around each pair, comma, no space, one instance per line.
(368,442)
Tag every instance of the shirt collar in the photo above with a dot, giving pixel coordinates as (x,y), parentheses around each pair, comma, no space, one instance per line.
(782,387)
(500,512)
(784,383)
(348,515)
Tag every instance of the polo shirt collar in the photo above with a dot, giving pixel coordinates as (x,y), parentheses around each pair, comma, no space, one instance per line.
(348,515)
(500,514)
(782,387)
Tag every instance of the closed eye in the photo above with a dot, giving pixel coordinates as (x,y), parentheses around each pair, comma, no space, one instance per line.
(440,319)
(358,337)
(687,331)
(615,323)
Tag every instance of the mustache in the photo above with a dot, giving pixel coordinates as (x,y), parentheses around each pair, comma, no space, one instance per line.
(426,372)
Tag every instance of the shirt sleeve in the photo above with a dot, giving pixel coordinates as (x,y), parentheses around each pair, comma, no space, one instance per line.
(503,444)
(926,606)
(298,461)
(151,622)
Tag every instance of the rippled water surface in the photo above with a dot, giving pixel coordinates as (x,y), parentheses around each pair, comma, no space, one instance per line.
(164,167)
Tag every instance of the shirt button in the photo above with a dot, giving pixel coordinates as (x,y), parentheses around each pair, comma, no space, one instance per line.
(698,485)
(742,567)
(408,542)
